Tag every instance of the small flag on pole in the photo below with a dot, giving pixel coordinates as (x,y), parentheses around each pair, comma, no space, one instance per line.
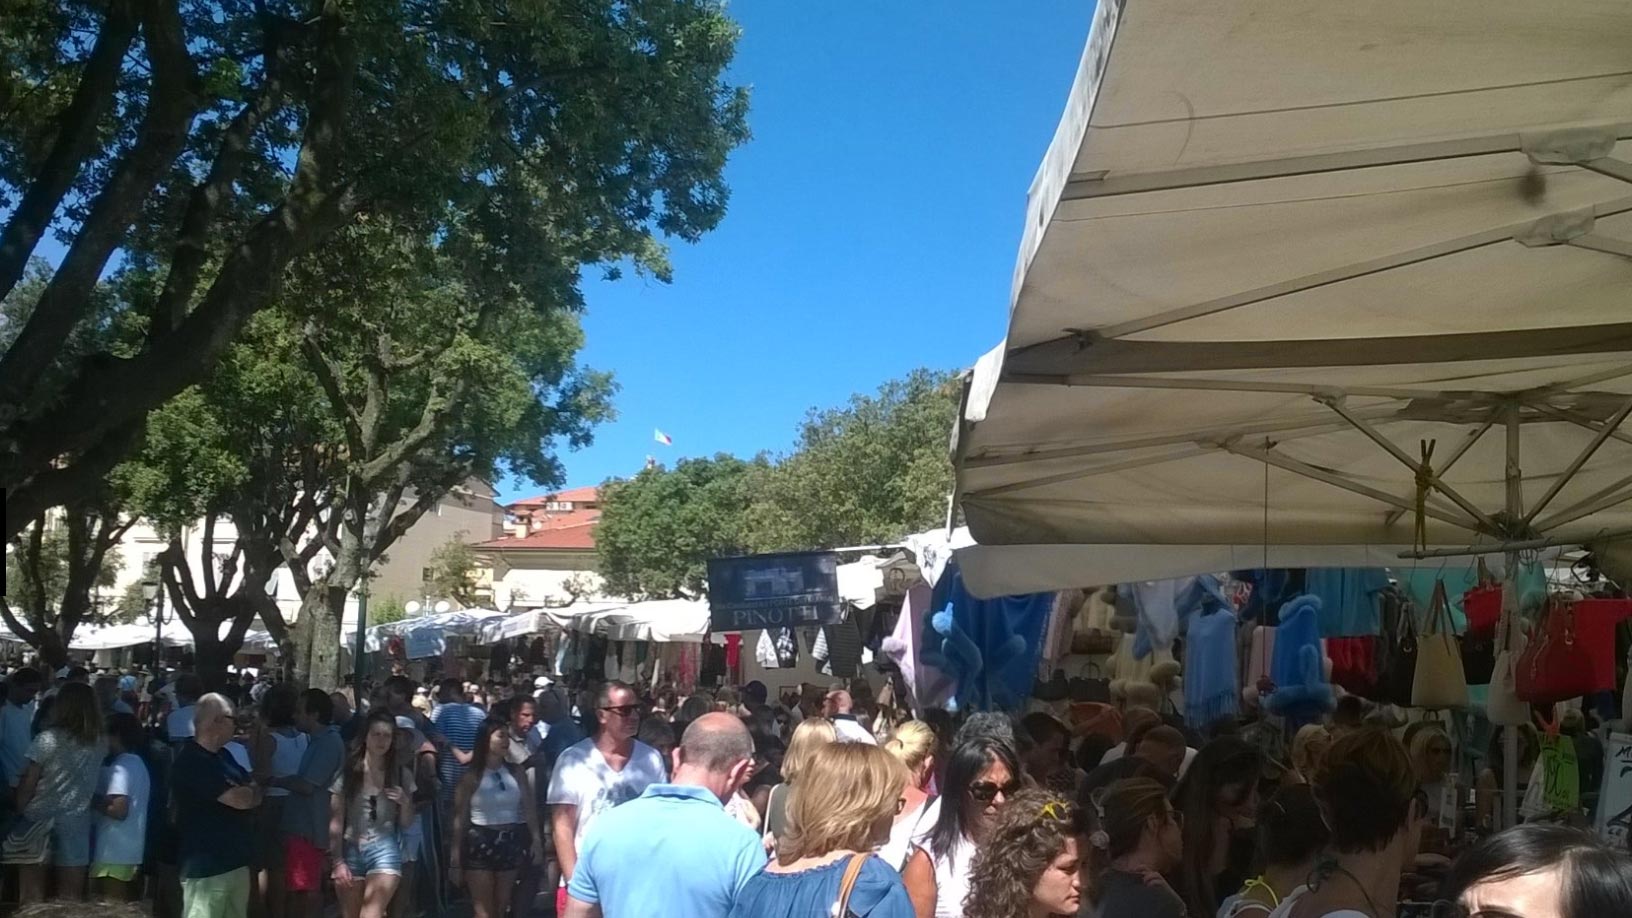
(662,438)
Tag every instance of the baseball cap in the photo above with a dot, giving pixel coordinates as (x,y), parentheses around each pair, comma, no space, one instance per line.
(127,683)
(543,682)
(405,723)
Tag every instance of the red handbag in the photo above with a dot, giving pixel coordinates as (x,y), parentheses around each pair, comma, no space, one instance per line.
(1483,606)
(1556,666)
(1595,621)
(1354,664)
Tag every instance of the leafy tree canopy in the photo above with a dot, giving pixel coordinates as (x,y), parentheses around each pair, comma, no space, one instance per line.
(454,571)
(866,473)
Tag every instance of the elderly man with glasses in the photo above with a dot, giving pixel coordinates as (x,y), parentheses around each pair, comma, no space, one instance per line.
(597,774)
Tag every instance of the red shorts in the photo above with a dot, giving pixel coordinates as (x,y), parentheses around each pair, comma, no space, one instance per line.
(302,864)
(560,900)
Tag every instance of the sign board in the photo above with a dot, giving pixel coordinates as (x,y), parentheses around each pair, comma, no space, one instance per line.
(774,591)
(1614,820)
(1561,774)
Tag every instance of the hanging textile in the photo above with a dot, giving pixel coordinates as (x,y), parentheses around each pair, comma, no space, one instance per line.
(765,651)
(1595,621)
(819,653)
(787,649)
(1166,605)
(1057,634)
(926,686)
(988,646)
(1271,589)
(844,648)
(1301,694)
(687,664)
(733,652)
(1348,599)
(1210,687)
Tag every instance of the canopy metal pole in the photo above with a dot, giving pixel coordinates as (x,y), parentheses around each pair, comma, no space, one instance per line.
(1515,512)
(1608,535)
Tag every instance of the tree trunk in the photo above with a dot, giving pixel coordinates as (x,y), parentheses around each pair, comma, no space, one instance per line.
(317,636)
(211,656)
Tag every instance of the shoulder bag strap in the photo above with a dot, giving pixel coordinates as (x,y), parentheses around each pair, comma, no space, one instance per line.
(848,885)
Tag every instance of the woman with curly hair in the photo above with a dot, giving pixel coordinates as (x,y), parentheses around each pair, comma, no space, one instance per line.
(1030,863)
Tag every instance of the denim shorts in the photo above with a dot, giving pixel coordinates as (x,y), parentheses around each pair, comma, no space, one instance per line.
(379,854)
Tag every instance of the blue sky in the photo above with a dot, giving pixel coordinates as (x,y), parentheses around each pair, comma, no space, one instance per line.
(873,224)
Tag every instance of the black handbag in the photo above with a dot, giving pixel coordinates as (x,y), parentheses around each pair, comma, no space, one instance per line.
(1478,657)
(1055,689)
(1091,688)
(1397,655)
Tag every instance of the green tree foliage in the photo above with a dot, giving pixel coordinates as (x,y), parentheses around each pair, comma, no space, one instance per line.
(454,571)
(658,529)
(864,474)
(189,155)
(867,473)
(387,610)
(55,569)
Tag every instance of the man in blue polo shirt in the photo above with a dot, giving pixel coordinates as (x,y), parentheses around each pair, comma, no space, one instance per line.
(673,850)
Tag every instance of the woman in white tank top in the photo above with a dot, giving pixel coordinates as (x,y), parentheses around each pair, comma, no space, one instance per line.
(495,823)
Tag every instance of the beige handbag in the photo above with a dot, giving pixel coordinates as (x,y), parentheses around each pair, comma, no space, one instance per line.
(1503,707)
(1439,681)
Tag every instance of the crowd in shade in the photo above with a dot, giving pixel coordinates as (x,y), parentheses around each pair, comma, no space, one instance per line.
(154,796)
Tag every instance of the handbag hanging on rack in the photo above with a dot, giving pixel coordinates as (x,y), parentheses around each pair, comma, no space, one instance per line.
(1556,666)
(1502,705)
(1397,656)
(1439,681)
(1483,604)
(1354,664)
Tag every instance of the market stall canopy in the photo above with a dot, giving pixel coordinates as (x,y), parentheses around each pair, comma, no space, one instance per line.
(539,621)
(660,620)
(428,631)
(1272,250)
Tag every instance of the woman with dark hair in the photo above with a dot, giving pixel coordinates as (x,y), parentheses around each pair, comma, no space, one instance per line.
(1029,866)
(54,795)
(1367,789)
(1291,834)
(495,824)
(371,805)
(1218,796)
(121,805)
(1136,837)
(277,748)
(1538,870)
(982,775)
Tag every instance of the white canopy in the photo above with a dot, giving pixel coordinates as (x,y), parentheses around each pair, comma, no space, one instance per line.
(660,620)
(1274,248)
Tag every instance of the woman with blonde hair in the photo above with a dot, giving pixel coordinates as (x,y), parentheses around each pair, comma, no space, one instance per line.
(915,744)
(839,813)
(54,793)
(1309,750)
(812,734)
(1029,866)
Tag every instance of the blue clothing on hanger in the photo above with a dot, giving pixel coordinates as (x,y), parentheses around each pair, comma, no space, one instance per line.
(1211,689)
(1348,599)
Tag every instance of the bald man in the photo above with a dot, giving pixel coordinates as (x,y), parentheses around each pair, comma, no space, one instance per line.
(673,850)
(838,708)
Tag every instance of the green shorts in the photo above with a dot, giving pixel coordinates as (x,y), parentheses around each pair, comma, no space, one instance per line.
(124,873)
(224,895)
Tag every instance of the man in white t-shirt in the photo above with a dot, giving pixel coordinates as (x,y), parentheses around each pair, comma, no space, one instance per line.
(597,774)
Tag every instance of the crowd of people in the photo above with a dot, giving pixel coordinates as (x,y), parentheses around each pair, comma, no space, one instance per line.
(599,801)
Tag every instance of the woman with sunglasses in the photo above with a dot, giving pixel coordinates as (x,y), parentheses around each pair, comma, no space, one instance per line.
(1368,792)
(1219,798)
(1540,871)
(495,825)
(1030,864)
(371,805)
(982,774)
(1136,838)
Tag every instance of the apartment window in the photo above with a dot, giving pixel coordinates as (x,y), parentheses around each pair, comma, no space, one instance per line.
(425,575)
(561,506)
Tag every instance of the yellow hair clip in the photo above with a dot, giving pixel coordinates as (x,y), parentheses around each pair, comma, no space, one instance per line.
(1053,810)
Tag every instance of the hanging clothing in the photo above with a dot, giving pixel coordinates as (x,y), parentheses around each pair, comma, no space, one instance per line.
(844,648)
(991,644)
(1166,605)
(926,686)
(1348,599)
(765,651)
(1211,691)
(819,653)
(1057,634)
(1271,589)
(1301,692)
(787,649)
(733,652)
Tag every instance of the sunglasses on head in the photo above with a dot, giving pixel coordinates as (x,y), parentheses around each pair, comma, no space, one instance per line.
(622,710)
(986,791)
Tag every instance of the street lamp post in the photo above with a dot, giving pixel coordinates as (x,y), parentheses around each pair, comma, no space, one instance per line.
(152,591)
(357,651)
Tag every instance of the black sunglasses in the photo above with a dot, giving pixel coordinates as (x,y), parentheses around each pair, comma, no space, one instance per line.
(986,791)
(622,710)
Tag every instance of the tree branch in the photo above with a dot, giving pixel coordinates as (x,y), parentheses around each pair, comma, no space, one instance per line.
(28,635)
(211,590)
(332,378)
(172,102)
(76,137)
(183,594)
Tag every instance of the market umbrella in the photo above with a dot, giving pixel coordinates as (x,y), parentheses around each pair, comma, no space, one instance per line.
(1296,246)
(1274,251)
